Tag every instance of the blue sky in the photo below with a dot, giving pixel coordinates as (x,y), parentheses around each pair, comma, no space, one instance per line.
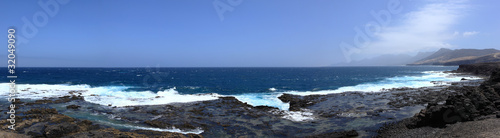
(257,33)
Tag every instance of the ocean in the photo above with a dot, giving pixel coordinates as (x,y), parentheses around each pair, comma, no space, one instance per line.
(255,86)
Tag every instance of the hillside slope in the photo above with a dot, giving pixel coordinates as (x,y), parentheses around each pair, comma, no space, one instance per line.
(460,56)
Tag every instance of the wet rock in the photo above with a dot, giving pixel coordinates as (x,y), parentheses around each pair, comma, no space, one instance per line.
(228,98)
(94,134)
(341,134)
(17,101)
(43,122)
(266,108)
(33,120)
(298,102)
(328,114)
(36,130)
(158,124)
(59,130)
(42,111)
(238,131)
(153,112)
(111,132)
(66,99)
(372,113)
(72,107)
(40,102)
(287,98)
(231,101)
(186,125)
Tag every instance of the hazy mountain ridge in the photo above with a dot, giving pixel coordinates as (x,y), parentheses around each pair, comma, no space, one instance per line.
(388,60)
(460,56)
(482,59)
(443,56)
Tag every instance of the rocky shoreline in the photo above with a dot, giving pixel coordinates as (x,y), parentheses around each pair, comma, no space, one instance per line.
(349,114)
(466,113)
(484,69)
(39,121)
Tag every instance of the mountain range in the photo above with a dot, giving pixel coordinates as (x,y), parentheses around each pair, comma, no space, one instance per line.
(443,56)
(450,57)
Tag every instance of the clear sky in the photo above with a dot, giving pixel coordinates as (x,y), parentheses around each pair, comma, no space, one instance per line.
(240,33)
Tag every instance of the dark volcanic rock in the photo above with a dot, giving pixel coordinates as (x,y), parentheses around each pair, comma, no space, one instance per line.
(158,124)
(266,108)
(297,102)
(468,104)
(494,77)
(41,111)
(111,132)
(66,99)
(59,130)
(51,124)
(36,130)
(479,69)
(39,121)
(72,107)
(341,134)
(40,102)
(440,115)
(287,98)
(465,106)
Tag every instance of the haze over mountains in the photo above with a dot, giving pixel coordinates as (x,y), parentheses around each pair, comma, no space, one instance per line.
(443,56)
(460,56)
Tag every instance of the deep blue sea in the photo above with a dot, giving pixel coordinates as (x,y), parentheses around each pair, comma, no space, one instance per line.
(256,86)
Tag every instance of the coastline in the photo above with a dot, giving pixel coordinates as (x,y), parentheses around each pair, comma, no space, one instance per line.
(472,112)
(339,114)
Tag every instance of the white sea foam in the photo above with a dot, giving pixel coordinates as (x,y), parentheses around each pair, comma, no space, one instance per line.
(114,95)
(298,116)
(267,99)
(270,99)
(394,82)
(124,98)
(173,129)
(117,96)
